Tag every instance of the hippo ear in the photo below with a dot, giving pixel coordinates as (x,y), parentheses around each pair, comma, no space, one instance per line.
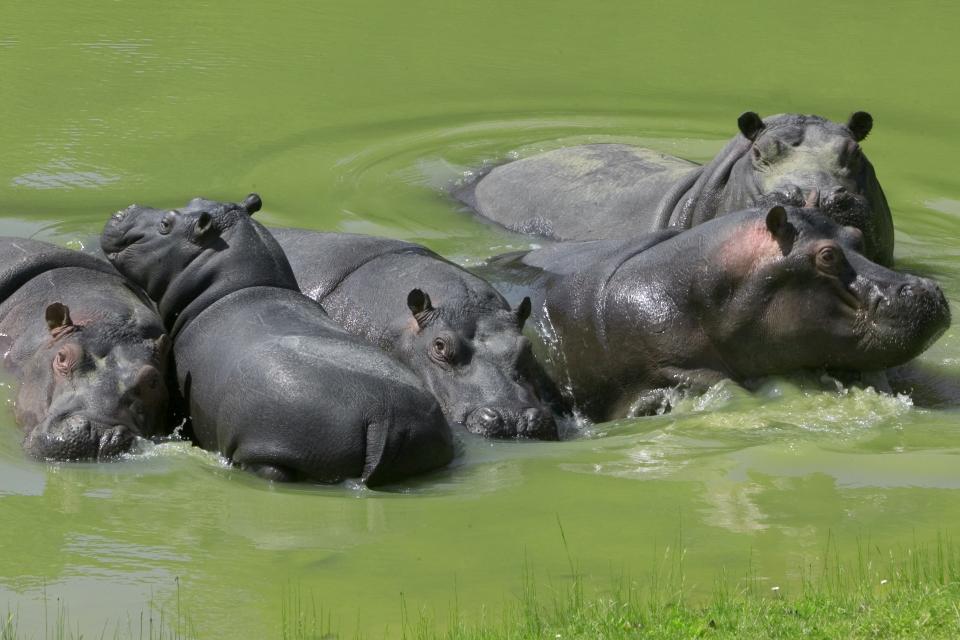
(523,311)
(750,125)
(419,303)
(777,221)
(860,124)
(203,226)
(252,204)
(58,315)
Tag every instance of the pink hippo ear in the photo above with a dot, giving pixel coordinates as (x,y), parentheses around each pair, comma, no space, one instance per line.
(420,306)
(750,125)
(251,204)
(203,226)
(860,124)
(523,311)
(777,221)
(58,317)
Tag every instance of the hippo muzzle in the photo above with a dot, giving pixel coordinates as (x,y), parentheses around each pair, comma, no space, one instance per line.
(527,422)
(76,437)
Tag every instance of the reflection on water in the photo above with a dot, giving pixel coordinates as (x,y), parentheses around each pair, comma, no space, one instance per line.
(353,118)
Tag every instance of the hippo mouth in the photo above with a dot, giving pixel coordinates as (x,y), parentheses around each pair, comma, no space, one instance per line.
(841,205)
(116,238)
(904,320)
(79,438)
(530,423)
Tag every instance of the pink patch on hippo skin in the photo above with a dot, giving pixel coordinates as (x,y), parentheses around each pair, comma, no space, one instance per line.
(749,247)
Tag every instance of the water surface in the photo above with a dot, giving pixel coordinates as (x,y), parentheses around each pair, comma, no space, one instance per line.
(349,116)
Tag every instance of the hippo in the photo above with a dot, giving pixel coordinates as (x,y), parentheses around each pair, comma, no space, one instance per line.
(267,378)
(750,294)
(88,349)
(599,191)
(447,325)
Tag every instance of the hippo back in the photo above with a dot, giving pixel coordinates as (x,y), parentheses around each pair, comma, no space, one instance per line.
(22,259)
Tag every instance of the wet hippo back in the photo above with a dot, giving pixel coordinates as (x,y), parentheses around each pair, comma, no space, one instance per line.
(450,327)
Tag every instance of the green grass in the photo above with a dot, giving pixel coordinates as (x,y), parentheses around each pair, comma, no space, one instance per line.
(911,593)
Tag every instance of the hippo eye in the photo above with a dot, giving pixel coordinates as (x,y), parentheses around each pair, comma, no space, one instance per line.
(441,350)
(66,359)
(828,260)
(166,223)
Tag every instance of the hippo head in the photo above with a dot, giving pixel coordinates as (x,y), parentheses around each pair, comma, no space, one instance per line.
(478,365)
(135,238)
(176,255)
(92,389)
(790,289)
(801,160)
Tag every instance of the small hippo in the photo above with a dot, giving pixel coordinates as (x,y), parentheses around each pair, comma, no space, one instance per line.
(449,326)
(620,191)
(750,294)
(89,350)
(268,379)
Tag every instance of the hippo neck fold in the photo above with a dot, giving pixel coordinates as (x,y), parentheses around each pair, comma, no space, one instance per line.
(702,200)
(243,256)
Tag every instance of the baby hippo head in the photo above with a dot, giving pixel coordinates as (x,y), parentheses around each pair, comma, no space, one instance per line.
(789,289)
(93,388)
(478,365)
(152,246)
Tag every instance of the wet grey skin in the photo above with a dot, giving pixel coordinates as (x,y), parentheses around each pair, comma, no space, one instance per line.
(451,328)
(754,293)
(618,191)
(268,380)
(89,351)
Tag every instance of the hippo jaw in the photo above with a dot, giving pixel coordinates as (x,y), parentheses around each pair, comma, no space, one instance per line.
(76,437)
(899,318)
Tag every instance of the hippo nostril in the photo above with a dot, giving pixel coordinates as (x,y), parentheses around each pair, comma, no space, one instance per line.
(905,291)
(487,416)
(792,194)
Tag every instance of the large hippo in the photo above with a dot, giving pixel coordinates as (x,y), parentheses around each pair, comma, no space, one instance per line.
(749,294)
(450,327)
(268,379)
(620,191)
(89,350)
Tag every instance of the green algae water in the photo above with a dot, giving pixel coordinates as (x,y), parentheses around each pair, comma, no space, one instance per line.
(352,117)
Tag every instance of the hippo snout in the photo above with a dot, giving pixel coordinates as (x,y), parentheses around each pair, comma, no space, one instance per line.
(76,437)
(528,422)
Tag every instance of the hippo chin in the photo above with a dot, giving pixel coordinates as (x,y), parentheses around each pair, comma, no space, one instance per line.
(750,294)
(267,378)
(90,353)
(451,328)
(620,191)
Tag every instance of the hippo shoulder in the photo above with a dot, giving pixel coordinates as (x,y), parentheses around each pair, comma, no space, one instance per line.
(22,259)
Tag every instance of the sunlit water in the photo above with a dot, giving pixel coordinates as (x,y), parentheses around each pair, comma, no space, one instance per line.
(350,117)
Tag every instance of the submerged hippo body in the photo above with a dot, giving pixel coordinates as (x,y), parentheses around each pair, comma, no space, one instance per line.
(750,294)
(268,379)
(89,351)
(449,326)
(601,191)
